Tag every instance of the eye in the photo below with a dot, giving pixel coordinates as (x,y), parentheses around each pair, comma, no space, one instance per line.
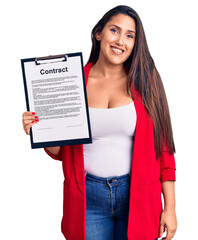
(130,36)
(114,30)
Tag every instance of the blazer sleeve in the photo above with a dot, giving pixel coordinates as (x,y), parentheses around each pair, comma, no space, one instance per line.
(167,166)
(56,157)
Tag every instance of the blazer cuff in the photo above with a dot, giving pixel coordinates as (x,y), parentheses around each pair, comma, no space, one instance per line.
(56,157)
(168,174)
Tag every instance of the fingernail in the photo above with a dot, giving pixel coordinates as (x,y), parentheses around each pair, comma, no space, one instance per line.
(37,120)
(36,116)
(159,236)
(33,113)
(32,121)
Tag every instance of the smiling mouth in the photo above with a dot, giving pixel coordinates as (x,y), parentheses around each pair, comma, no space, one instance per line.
(116,50)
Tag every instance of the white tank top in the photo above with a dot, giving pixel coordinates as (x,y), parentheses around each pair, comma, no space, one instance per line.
(113,129)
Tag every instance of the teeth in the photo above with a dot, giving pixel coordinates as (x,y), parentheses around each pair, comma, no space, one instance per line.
(117,50)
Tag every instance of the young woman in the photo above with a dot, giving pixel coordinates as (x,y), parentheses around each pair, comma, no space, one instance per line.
(112,187)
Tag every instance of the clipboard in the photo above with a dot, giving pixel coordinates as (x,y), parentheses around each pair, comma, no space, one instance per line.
(48,90)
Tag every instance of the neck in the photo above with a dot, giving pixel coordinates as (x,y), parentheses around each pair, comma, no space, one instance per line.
(108,70)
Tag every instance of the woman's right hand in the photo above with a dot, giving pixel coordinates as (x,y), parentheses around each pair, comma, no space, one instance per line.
(29,119)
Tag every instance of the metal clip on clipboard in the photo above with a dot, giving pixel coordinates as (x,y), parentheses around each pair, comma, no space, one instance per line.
(49,59)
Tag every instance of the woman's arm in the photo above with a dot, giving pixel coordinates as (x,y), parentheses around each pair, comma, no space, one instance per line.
(168,216)
(29,119)
(168,190)
(54,150)
(168,219)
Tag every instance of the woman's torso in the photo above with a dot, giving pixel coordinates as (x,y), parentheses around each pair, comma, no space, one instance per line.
(113,120)
(103,93)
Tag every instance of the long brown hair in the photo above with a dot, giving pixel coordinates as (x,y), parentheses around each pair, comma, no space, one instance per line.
(143,76)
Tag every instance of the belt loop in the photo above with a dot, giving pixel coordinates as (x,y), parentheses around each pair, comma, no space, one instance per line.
(85,174)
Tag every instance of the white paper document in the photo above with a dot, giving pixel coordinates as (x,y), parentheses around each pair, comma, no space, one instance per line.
(55,89)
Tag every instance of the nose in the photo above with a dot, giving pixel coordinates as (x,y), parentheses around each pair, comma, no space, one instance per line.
(120,40)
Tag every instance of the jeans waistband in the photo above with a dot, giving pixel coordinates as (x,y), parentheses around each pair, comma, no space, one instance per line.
(117,179)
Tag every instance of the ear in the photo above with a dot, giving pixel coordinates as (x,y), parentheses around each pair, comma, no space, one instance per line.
(98,36)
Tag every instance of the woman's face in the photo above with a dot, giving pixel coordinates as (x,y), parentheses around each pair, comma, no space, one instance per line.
(117,39)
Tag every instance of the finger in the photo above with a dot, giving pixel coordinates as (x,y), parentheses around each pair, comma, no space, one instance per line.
(28,117)
(28,126)
(29,113)
(26,120)
(170,234)
(162,229)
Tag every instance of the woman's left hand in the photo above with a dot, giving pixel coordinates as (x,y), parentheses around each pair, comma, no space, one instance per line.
(168,221)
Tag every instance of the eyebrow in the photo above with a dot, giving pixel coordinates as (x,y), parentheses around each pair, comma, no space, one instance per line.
(120,28)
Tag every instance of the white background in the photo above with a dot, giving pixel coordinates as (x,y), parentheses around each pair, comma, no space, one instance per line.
(30,181)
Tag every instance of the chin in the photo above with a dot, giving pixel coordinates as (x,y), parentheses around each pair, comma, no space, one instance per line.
(116,61)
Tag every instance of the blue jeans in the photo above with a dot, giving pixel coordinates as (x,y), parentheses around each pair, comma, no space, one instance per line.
(107,207)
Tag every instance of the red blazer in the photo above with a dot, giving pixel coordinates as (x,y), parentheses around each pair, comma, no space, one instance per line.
(145,205)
